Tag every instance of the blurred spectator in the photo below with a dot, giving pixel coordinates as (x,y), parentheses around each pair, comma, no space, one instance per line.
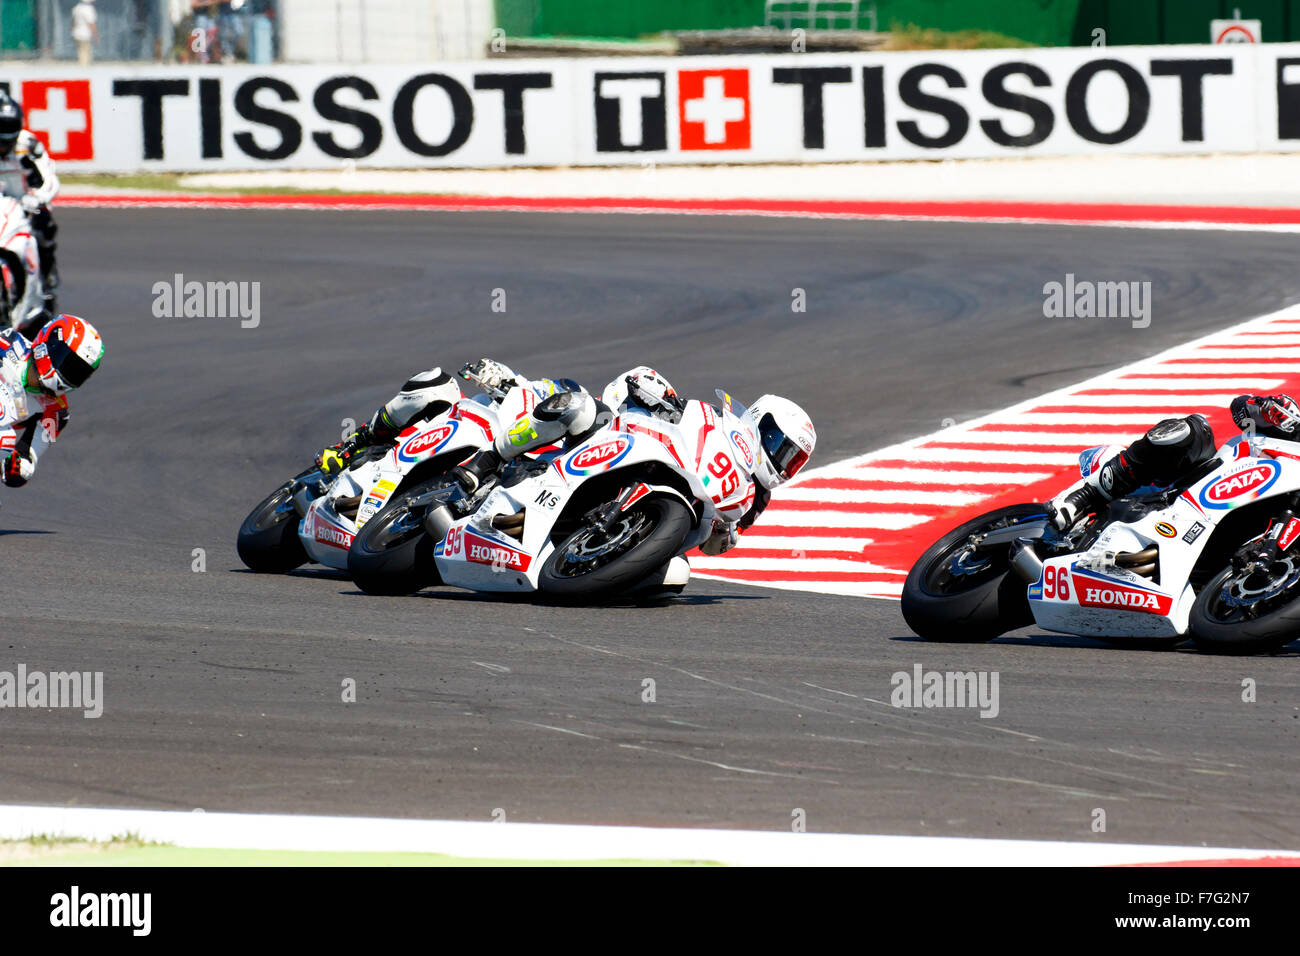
(224,30)
(85,30)
(204,34)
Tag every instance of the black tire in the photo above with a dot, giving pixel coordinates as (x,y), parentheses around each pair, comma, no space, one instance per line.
(382,564)
(994,603)
(268,539)
(1268,632)
(670,522)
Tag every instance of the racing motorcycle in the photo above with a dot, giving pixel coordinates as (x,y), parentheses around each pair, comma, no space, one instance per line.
(315,517)
(610,518)
(23,293)
(1213,557)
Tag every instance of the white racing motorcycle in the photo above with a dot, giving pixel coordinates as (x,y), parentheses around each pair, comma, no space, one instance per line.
(1213,557)
(611,518)
(20,262)
(314,517)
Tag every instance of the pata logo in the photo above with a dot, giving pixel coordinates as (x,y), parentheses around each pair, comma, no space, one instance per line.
(429,440)
(598,454)
(742,446)
(1240,484)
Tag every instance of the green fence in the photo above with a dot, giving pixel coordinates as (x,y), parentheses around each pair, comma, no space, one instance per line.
(1180,21)
(1044,22)
(17,26)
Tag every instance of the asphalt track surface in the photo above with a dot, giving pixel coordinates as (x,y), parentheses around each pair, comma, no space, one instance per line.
(223,688)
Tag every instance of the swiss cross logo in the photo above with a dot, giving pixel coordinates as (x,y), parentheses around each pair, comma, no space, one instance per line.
(58,112)
(714,108)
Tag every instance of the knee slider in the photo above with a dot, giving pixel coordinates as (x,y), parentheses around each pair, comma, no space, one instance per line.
(575,411)
(1172,432)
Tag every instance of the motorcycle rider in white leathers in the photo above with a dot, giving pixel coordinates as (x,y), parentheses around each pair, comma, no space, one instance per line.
(545,412)
(785,433)
(786,439)
(431,393)
(20,144)
(35,379)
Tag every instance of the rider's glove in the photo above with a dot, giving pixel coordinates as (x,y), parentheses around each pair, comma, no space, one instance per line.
(722,539)
(17,470)
(489,373)
(31,204)
(1279,413)
(335,458)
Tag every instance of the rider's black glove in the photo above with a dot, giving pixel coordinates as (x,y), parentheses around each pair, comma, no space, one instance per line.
(1268,414)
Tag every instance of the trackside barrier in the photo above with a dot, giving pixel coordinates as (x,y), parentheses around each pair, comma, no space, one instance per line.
(646,111)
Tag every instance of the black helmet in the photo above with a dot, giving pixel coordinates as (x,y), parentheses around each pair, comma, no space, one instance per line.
(11,123)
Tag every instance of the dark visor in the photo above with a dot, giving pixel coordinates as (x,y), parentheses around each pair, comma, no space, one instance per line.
(72,368)
(786,457)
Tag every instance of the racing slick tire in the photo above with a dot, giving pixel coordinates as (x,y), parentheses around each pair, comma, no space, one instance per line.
(975,607)
(1268,632)
(590,563)
(268,539)
(392,553)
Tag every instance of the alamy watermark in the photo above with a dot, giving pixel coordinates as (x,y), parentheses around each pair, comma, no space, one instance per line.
(78,690)
(926,689)
(75,908)
(1086,299)
(179,299)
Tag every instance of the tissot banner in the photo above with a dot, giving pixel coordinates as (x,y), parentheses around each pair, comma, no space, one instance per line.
(729,109)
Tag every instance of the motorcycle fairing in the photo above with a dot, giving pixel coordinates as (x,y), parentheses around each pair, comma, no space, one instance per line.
(1105,600)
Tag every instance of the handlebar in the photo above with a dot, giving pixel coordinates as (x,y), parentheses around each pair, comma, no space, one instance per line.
(469,372)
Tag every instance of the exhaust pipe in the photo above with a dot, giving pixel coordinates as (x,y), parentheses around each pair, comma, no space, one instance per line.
(1135,559)
(302,498)
(438,521)
(1025,561)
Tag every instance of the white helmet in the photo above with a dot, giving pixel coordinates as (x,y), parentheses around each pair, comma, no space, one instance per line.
(786,439)
(642,386)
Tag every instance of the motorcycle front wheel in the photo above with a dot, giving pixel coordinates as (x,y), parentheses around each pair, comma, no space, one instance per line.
(954,595)
(1248,612)
(596,562)
(392,553)
(268,539)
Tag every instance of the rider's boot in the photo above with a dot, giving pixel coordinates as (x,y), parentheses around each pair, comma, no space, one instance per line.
(471,475)
(35,320)
(1112,480)
(46,246)
(49,283)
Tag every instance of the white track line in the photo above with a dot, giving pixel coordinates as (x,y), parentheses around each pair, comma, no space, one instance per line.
(544,841)
(919,488)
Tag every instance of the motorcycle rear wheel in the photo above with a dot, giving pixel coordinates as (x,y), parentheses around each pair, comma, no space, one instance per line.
(985,599)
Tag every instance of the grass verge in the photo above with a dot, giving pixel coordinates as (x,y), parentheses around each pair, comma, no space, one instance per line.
(130,851)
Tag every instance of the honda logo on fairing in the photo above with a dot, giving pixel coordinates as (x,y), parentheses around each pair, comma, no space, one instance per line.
(1119,597)
(585,461)
(426,442)
(1244,485)
(334,537)
(482,551)
(1112,597)
(504,557)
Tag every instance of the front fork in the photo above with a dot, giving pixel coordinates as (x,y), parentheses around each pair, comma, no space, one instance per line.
(1282,532)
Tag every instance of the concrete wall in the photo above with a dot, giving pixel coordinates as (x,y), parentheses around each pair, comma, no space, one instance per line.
(384,31)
